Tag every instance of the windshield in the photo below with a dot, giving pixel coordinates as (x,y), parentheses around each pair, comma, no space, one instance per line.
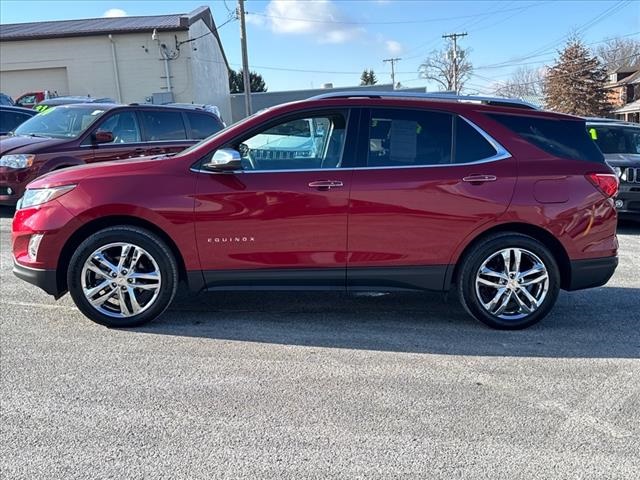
(60,122)
(616,139)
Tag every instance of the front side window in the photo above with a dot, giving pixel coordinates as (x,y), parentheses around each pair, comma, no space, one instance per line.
(60,122)
(123,126)
(409,138)
(311,142)
(615,139)
(163,125)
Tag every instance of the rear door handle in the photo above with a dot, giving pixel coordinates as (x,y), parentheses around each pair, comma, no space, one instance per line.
(477,179)
(326,184)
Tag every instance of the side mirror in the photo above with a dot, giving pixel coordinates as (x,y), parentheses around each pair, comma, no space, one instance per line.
(224,160)
(102,136)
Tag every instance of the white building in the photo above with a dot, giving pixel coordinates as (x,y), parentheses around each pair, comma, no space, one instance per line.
(176,57)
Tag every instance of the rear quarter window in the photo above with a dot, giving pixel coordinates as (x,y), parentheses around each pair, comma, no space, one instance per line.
(558,137)
(203,126)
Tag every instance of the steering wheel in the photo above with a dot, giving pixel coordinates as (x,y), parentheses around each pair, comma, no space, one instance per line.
(245,153)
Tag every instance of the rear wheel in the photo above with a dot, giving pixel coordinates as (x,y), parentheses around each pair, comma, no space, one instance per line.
(509,281)
(122,276)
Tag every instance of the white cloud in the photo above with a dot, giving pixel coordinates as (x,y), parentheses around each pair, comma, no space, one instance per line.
(319,18)
(393,47)
(114,12)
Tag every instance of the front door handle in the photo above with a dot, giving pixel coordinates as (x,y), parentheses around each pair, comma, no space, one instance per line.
(326,184)
(478,179)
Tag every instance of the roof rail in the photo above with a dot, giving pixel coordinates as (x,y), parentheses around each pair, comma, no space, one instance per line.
(442,97)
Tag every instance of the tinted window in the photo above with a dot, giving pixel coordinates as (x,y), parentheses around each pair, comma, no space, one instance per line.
(405,138)
(163,125)
(10,120)
(203,126)
(312,142)
(471,146)
(124,127)
(562,138)
(616,139)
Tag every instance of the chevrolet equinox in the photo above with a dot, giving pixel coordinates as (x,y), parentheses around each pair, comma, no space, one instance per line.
(500,202)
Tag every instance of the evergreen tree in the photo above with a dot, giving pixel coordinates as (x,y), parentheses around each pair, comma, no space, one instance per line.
(368,77)
(236,82)
(575,84)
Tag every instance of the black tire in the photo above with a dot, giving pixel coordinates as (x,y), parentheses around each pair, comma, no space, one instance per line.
(138,237)
(482,251)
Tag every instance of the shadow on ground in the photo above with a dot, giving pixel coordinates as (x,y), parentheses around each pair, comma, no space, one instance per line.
(600,323)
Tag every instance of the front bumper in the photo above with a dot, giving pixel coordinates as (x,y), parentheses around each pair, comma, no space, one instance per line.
(592,272)
(47,280)
(628,200)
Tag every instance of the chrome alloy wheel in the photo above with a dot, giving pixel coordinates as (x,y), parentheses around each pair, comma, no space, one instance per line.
(512,283)
(121,280)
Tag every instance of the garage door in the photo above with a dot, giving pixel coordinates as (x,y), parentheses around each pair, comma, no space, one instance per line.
(17,82)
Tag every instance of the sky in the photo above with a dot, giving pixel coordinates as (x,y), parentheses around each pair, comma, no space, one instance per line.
(300,44)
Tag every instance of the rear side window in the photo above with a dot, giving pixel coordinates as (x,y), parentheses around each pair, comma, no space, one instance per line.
(561,138)
(409,138)
(203,126)
(471,146)
(163,125)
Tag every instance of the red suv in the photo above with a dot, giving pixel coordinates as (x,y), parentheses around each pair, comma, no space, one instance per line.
(345,191)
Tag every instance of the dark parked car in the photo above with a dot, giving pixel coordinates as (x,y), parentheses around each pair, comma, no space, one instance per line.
(71,135)
(6,100)
(11,117)
(392,192)
(620,144)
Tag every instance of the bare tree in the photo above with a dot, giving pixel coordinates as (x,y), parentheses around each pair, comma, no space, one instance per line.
(619,52)
(523,83)
(439,67)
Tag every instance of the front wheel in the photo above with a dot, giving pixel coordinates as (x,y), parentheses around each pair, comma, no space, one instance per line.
(122,276)
(509,281)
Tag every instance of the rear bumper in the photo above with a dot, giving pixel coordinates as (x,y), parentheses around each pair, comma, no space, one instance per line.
(592,272)
(47,280)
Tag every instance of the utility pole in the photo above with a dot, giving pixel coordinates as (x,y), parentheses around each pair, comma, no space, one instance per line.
(393,70)
(245,60)
(454,37)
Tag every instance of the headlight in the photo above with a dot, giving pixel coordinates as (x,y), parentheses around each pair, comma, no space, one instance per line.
(16,161)
(618,171)
(37,196)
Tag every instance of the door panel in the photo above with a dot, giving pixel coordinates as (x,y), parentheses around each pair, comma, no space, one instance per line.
(271,220)
(417,216)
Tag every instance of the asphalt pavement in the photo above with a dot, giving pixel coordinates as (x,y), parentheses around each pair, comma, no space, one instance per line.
(321,385)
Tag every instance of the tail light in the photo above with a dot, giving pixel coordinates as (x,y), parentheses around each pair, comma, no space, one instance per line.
(607,183)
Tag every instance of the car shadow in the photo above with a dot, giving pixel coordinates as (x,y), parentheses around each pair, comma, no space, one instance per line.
(7,212)
(628,227)
(599,323)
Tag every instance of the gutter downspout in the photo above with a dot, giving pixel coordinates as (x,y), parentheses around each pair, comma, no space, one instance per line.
(115,68)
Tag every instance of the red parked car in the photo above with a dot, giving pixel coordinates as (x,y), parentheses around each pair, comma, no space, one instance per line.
(345,191)
(68,135)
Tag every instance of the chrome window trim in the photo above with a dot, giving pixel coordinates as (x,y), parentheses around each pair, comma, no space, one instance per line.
(501,154)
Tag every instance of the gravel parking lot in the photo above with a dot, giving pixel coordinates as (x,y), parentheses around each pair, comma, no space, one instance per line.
(249,385)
